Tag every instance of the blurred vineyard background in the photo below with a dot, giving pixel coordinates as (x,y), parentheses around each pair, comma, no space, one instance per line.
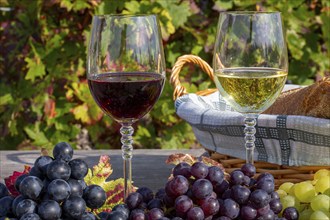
(44,97)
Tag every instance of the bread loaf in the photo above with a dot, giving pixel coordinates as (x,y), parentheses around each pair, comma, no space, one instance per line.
(313,100)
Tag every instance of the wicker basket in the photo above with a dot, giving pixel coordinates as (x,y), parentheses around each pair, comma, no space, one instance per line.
(280,172)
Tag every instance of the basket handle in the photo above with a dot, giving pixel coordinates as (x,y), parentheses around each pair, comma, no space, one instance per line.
(179,89)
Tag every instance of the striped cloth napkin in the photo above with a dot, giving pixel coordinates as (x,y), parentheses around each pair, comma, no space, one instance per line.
(282,139)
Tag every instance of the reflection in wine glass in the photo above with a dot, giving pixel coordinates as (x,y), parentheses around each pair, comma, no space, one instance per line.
(126,72)
(250,65)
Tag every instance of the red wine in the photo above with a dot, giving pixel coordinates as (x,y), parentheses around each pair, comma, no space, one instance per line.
(126,96)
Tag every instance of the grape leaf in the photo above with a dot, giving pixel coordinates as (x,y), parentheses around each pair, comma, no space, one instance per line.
(179,158)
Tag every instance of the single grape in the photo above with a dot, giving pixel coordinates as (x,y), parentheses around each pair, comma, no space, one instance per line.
(290,201)
(63,151)
(195,213)
(146,193)
(83,184)
(25,206)
(79,169)
(246,181)
(15,203)
(155,203)
(202,188)
(322,184)
(321,202)
(94,196)
(76,188)
(182,169)
(264,210)
(266,176)
(42,162)
(220,188)
(183,204)
(266,185)
(274,195)
(215,175)
(286,186)
(160,193)
(123,208)
(178,186)
(290,213)
(240,194)
(35,172)
(59,190)
(3,190)
(237,177)
(155,214)
(31,187)
(275,205)
(210,206)
(267,216)
(304,191)
(30,216)
(248,213)
(321,173)
(49,210)
(19,180)
(5,205)
(133,200)
(88,216)
(259,198)
(306,214)
(248,169)
(199,170)
(137,214)
(230,208)
(58,169)
(318,215)
(116,215)
(281,193)
(74,207)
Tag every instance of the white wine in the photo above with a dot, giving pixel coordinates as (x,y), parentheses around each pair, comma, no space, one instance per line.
(250,90)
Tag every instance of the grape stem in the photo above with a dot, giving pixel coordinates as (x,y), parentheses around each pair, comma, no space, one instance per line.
(249,131)
(126,132)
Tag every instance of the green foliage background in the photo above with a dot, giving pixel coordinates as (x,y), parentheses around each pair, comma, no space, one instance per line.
(44,97)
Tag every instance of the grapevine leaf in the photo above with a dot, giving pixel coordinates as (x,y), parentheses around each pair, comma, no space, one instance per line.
(100,172)
(208,161)
(178,158)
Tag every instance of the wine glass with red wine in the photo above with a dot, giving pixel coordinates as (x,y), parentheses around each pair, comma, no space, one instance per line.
(126,72)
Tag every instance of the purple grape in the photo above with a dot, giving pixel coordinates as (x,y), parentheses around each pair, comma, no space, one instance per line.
(199,170)
(116,215)
(210,206)
(268,216)
(63,151)
(274,195)
(202,188)
(246,181)
(42,162)
(123,208)
(221,188)
(155,203)
(59,190)
(237,177)
(215,175)
(3,190)
(155,214)
(146,193)
(248,213)
(264,210)
(133,200)
(5,205)
(94,196)
(183,204)
(160,193)
(259,198)
(230,208)
(182,169)
(30,216)
(79,169)
(178,186)
(290,213)
(19,180)
(248,169)
(49,210)
(137,214)
(58,169)
(275,205)
(25,206)
(240,194)
(266,176)
(31,187)
(76,188)
(168,201)
(88,216)
(195,213)
(266,185)
(35,172)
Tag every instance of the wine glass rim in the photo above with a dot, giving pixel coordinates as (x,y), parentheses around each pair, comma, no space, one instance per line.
(250,12)
(124,15)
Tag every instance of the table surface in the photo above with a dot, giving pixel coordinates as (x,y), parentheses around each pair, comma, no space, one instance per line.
(149,167)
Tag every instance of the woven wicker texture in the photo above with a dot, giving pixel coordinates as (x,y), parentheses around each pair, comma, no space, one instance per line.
(281,173)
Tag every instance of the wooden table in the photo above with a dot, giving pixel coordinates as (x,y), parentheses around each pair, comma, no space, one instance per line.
(149,167)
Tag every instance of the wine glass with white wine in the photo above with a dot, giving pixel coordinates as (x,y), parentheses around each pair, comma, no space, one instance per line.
(250,65)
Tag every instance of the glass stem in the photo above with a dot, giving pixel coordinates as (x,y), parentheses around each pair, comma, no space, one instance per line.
(249,131)
(126,132)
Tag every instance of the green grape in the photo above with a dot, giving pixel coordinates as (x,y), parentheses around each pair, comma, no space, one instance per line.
(290,201)
(306,214)
(281,193)
(304,191)
(322,184)
(321,173)
(286,186)
(321,202)
(292,190)
(319,215)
